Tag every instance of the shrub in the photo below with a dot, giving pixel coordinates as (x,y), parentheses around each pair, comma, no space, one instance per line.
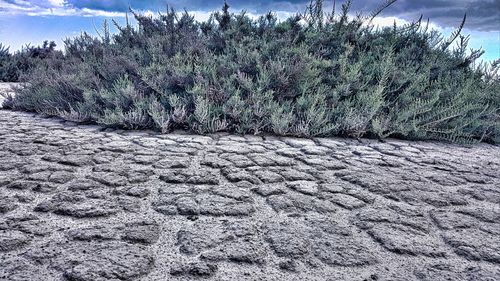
(314,74)
(14,66)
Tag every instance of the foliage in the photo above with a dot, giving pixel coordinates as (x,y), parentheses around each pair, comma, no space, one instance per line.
(314,74)
(13,66)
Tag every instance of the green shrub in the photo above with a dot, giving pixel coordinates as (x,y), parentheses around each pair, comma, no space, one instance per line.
(14,66)
(314,74)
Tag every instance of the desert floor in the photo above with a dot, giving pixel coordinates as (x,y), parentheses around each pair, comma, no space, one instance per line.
(85,203)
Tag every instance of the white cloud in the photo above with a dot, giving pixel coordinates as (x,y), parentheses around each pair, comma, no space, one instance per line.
(63,8)
(389,21)
(18,7)
(50,8)
(99,13)
(57,3)
(200,15)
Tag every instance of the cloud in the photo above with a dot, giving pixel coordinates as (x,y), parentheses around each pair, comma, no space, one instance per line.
(57,3)
(50,8)
(483,15)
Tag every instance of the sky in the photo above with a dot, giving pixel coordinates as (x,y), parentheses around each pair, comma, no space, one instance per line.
(33,21)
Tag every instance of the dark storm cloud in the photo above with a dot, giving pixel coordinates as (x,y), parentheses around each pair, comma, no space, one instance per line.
(483,15)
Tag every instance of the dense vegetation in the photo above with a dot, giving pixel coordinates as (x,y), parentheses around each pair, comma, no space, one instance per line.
(315,74)
(12,66)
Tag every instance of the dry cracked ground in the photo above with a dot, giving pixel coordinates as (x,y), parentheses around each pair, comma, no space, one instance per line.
(84,203)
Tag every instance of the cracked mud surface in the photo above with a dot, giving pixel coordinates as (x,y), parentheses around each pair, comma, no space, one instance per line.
(83,203)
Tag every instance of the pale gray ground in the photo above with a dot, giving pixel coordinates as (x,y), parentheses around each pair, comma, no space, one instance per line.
(83,203)
(5,88)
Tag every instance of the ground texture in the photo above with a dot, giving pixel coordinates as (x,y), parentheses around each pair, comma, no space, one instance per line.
(83,203)
(5,89)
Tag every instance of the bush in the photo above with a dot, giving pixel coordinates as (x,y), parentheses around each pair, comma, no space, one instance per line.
(14,66)
(314,74)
